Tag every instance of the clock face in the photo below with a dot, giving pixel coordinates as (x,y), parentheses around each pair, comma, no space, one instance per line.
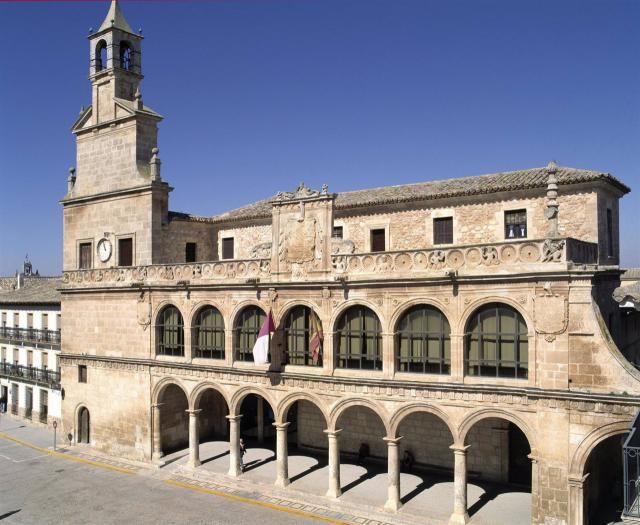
(104,249)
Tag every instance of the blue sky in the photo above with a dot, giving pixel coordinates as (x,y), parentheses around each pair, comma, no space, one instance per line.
(259,95)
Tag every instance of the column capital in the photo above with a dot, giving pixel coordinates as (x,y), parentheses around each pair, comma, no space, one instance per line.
(281,426)
(577,481)
(193,412)
(156,405)
(459,449)
(234,418)
(332,433)
(392,441)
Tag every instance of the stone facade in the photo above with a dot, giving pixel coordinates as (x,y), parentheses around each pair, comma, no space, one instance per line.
(569,390)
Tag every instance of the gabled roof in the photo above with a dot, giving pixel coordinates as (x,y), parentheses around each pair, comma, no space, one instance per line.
(115,15)
(439,189)
(35,290)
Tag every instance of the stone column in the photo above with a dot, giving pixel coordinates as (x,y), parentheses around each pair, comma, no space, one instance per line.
(194,438)
(388,356)
(335,491)
(234,445)
(282,454)
(457,357)
(260,420)
(460,515)
(156,453)
(576,499)
(534,489)
(393,474)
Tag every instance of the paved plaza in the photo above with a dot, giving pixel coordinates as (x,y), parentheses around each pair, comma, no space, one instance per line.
(77,485)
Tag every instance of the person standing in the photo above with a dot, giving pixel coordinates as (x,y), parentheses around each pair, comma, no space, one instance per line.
(243,451)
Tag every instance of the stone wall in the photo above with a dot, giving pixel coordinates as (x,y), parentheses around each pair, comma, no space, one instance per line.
(245,239)
(488,454)
(179,232)
(361,425)
(428,439)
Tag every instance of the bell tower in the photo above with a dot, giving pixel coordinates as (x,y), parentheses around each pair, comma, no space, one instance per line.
(115,190)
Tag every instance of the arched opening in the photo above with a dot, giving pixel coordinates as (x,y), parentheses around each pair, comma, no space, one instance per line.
(603,494)
(426,464)
(363,455)
(499,472)
(423,342)
(174,420)
(258,435)
(126,56)
(307,445)
(496,343)
(170,332)
(100,56)
(358,339)
(303,337)
(84,435)
(245,332)
(208,334)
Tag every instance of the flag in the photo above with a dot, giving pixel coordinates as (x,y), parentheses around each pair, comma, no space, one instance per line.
(315,343)
(261,348)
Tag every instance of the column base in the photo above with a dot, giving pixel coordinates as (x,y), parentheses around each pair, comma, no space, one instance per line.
(281,483)
(194,464)
(392,505)
(459,519)
(334,493)
(234,472)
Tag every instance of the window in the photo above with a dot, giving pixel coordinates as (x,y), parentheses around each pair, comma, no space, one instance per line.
(29,320)
(170,332)
(126,56)
(84,256)
(45,321)
(609,233)
(359,339)
(208,334)
(190,252)
(44,405)
(422,341)
(82,373)
(16,320)
(515,224)
(101,56)
(3,354)
(443,230)
(227,248)
(125,252)
(496,343)
(377,240)
(303,337)
(29,357)
(16,356)
(246,332)
(337,232)
(45,360)
(4,318)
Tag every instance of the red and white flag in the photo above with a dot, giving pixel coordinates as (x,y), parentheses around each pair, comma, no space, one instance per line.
(261,348)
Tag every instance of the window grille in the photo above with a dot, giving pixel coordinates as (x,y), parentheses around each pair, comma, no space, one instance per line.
(515,224)
(170,333)
(208,334)
(227,248)
(247,329)
(359,339)
(443,230)
(378,240)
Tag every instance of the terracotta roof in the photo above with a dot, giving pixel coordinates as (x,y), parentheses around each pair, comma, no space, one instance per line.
(437,189)
(36,290)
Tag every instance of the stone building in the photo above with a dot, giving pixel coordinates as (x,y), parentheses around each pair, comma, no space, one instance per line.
(469,321)
(30,345)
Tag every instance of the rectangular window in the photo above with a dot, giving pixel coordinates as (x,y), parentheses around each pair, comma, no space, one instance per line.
(443,230)
(84,256)
(609,233)
(337,232)
(29,320)
(29,357)
(16,356)
(190,252)
(125,252)
(82,373)
(16,320)
(515,224)
(4,319)
(45,321)
(227,248)
(45,360)
(3,354)
(378,240)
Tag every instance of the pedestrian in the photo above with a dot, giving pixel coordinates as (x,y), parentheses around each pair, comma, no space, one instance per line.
(3,405)
(243,451)
(407,461)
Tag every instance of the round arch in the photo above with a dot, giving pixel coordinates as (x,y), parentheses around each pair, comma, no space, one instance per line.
(414,408)
(290,305)
(161,385)
(403,308)
(82,424)
(161,306)
(195,310)
(487,413)
(235,402)
(342,406)
(356,302)
(287,402)
(468,312)
(591,441)
(233,317)
(201,389)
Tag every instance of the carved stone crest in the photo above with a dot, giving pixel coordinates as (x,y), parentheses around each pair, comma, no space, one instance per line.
(144,311)
(550,313)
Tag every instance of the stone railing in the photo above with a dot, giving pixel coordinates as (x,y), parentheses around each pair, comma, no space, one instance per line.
(517,256)
(534,254)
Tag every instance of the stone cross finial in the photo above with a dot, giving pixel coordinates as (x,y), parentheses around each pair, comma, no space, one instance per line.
(154,165)
(551,211)
(71,179)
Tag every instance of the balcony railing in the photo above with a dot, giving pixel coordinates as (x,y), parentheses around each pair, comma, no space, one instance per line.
(39,376)
(32,335)
(527,255)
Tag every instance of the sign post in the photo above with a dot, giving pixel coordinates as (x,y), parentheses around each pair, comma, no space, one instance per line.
(55,425)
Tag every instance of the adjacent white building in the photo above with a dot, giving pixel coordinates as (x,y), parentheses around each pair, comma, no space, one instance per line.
(30,346)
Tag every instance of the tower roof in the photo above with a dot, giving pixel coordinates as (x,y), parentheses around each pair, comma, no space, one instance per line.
(115,18)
